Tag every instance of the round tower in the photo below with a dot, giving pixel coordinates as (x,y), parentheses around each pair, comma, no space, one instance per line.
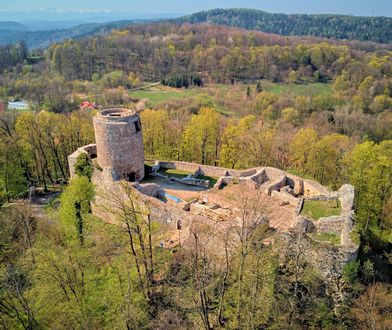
(118,135)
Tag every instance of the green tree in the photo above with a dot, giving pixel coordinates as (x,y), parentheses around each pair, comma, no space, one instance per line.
(83,166)
(234,141)
(302,148)
(75,207)
(202,137)
(369,168)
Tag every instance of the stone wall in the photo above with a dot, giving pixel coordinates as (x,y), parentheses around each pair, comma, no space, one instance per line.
(223,181)
(300,186)
(277,184)
(90,150)
(151,189)
(328,260)
(346,197)
(204,169)
(255,180)
(341,225)
(313,188)
(207,170)
(331,225)
(285,197)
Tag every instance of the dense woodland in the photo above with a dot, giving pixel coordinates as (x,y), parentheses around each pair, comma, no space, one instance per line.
(66,269)
(376,29)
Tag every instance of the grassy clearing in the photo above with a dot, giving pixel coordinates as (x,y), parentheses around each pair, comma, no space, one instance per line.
(312,89)
(321,209)
(325,237)
(229,100)
(158,95)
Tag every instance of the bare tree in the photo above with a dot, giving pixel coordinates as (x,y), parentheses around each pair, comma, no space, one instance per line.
(136,222)
(200,267)
(250,219)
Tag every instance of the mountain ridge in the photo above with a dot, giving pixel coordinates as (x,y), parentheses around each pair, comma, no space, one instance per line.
(41,39)
(362,28)
(12,25)
(332,26)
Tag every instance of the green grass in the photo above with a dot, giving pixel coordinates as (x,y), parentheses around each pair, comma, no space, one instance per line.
(311,89)
(325,237)
(181,174)
(157,95)
(174,173)
(161,94)
(321,209)
(223,97)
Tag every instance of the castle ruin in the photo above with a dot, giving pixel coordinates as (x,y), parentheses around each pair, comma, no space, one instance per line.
(194,200)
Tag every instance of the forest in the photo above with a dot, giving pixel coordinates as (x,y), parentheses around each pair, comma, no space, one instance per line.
(326,26)
(321,109)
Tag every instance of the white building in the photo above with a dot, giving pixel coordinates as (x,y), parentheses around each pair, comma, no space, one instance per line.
(18,105)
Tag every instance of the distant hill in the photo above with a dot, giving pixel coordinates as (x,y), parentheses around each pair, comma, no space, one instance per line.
(375,29)
(12,26)
(378,29)
(41,39)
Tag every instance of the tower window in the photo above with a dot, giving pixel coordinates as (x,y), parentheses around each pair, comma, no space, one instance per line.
(137,126)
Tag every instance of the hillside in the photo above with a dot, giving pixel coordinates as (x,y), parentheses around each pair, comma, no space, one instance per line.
(41,39)
(375,29)
(378,29)
(12,26)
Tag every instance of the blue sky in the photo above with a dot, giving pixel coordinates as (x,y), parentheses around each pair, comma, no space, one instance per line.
(355,7)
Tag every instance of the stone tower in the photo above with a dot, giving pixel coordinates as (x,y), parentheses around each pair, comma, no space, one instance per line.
(118,135)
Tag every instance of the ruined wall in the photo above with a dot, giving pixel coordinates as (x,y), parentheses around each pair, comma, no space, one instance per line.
(341,225)
(119,140)
(329,260)
(313,188)
(90,150)
(285,197)
(307,187)
(205,169)
(277,184)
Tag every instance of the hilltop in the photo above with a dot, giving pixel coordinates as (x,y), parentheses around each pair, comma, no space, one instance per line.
(15,26)
(376,29)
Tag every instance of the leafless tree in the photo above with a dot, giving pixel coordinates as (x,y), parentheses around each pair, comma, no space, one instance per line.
(135,220)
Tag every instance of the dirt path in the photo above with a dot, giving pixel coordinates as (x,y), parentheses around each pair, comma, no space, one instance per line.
(37,203)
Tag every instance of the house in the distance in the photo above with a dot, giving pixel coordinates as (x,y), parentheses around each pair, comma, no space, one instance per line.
(18,104)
